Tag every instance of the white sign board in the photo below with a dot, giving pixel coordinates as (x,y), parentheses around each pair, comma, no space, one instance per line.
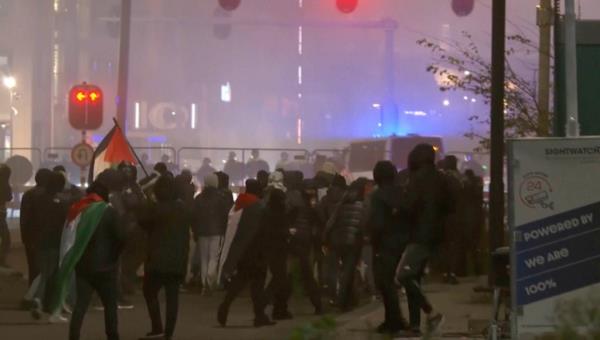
(554,216)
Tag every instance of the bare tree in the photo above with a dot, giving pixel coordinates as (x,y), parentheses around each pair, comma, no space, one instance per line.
(461,67)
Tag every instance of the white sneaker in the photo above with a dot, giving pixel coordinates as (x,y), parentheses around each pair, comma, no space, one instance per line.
(57,318)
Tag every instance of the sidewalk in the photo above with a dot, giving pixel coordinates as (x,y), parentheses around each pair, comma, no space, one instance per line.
(459,304)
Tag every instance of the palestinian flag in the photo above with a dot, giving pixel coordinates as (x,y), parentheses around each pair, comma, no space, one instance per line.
(82,220)
(112,150)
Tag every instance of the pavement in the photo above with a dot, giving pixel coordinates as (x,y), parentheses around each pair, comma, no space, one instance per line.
(462,308)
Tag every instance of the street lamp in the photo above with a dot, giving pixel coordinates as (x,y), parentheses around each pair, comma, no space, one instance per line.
(9,82)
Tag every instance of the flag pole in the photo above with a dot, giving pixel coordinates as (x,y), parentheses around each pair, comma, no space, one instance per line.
(132,149)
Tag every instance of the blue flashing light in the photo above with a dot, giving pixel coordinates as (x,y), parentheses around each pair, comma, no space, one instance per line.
(157,139)
(96,139)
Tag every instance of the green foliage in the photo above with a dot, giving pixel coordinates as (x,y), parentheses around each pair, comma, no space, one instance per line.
(459,66)
(578,318)
(322,329)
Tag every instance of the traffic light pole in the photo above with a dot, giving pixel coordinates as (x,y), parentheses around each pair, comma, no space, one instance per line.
(82,174)
(496,215)
(124,63)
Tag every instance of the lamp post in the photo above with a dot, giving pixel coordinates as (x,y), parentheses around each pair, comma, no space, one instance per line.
(10,83)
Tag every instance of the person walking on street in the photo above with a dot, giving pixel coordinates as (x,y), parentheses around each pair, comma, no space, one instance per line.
(343,237)
(51,214)
(388,233)
(474,219)
(30,228)
(455,228)
(95,254)
(210,221)
(326,208)
(277,220)
(6,196)
(304,233)
(134,252)
(168,224)
(426,204)
(244,257)
(186,189)
(224,189)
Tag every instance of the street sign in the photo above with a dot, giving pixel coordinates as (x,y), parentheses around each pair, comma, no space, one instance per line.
(82,154)
(554,204)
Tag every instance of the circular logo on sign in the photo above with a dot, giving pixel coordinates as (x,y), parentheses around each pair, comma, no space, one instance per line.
(536,191)
(82,154)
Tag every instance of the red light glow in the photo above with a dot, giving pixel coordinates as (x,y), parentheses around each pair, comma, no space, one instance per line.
(81,96)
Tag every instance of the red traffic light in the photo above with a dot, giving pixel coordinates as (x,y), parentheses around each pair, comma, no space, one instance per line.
(85,107)
(462,8)
(346,6)
(229,5)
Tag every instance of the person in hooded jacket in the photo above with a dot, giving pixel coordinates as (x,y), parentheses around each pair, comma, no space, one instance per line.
(388,233)
(343,237)
(325,208)
(210,221)
(474,219)
(51,214)
(70,193)
(453,255)
(263,179)
(5,197)
(247,264)
(30,230)
(146,183)
(97,269)
(224,189)
(186,190)
(426,204)
(277,220)
(205,170)
(304,222)
(133,200)
(168,224)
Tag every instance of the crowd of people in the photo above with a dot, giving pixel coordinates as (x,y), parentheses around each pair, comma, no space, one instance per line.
(386,232)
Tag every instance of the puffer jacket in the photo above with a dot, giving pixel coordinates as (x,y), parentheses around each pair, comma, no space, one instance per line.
(303,218)
(346,225)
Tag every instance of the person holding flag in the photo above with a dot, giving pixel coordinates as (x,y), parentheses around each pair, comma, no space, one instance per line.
(92,240)
(91,246)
